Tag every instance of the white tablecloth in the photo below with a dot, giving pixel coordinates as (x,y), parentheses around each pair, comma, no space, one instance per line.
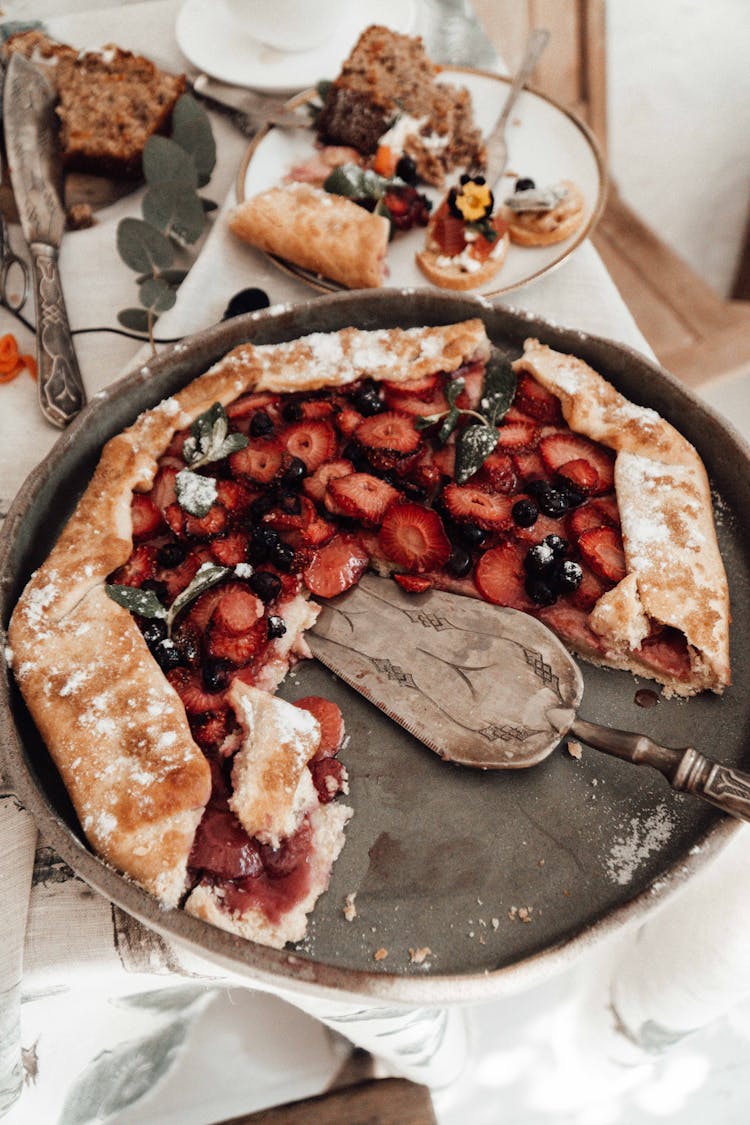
(77,961)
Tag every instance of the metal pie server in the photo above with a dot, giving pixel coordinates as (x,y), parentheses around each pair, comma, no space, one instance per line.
(31,145)
(486,686)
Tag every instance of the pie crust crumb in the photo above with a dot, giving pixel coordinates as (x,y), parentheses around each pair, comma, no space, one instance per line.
(350,910)
(575,750)
(380,954)
(418,956)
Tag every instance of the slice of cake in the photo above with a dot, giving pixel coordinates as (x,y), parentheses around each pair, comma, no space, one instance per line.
(110,102)
(386,97)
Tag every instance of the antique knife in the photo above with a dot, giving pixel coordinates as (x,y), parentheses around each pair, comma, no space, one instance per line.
(31,145)
(485,686)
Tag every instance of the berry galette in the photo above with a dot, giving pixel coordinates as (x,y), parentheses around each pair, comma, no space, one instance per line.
(149,644)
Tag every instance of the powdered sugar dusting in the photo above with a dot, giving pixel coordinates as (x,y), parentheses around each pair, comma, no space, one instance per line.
(641,839)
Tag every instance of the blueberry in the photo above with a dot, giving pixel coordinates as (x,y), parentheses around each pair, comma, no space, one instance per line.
(525,513)
(367,401)
(265,584)
(276,627)
(263,540)
(539,560)
(473,535)
(154,631)
(566,576)
(292,412)
(553,503)
(459,563)
(406,169)
(247,300)
(167,655)
(557,545)
(525,184)
(261,424)
(189,646)
(573,497)
(282,556)
(171,555)
(294,473)
(540,591)
(538,488)
(215,674)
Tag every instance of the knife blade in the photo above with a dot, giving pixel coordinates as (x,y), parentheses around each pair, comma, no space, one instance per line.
(31,146)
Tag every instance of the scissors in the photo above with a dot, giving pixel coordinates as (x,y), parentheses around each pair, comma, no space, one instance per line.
(9,263)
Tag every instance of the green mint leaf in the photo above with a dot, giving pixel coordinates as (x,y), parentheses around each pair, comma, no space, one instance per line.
(499,388)
(454,388)
(143,602)
(449,425)
(473,447)
(196,495)
(208,575)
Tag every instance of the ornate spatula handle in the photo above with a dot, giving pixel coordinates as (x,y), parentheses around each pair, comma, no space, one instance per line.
(687,770)
(60,386)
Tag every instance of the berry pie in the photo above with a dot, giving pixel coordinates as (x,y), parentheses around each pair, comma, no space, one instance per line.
(150,643)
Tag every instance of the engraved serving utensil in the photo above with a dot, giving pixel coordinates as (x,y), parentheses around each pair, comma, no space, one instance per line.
(485,686)
(249,111)
(30,139)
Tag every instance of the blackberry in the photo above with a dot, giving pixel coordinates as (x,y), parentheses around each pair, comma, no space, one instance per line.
(539,560)
(282,556)
(292,412)
(459,563)
(171,555)
(525,513)
(525,184)
(215,674)
(276,627)
(557,545)
(263,540)
(553,503)
(406,169)
(566,576)
(573,496)
(265,584)
(294,473)
(540,591)
(167,655)
(261,424)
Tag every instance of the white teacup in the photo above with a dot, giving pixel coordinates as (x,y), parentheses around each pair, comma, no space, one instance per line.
(291,25)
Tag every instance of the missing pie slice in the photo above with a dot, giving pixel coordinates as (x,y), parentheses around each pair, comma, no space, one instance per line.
(149,645)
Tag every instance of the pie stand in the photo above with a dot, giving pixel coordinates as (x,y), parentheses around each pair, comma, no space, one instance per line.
(97,1009)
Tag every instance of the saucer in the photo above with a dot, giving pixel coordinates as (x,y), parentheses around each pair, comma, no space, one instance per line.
(216,43)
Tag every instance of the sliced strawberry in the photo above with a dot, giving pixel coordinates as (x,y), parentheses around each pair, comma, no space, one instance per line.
(542,525)
(529,465)
(417,407)
(500,576)
(445,459)
(330,720)
(516,436)
(296,519)
(390,432)
(667,652)
(471,395)
(413,583)
(570,622)
(536,401)
(329,777)
(179,578)
(245,406)
(175,448)
(316,408)
(468,504)
(594,513)
(513,414)
(195,699)
(499,472)
(347,421)
(316,484)
(223,847)
(234,496)
(414,537)
(200,612)
(591,589)
(140,568)
(424,472)
(210,731)
(237,611)
(314,442)
(362,496)
(608,506)
(581,474)
(205,527)
(260,461)
(237,648)
(601,548)
(559,448)
(145,516)
(230,550)
(164,491)
(317,532)
(425,386)
(336,566)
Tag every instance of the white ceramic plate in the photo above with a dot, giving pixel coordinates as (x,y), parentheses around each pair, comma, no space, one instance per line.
(218,44)
(545,142)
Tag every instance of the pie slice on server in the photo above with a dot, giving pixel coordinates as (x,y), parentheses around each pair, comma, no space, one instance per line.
(149,644)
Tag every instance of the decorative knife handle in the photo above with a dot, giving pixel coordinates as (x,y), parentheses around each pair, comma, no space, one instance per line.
(61,392)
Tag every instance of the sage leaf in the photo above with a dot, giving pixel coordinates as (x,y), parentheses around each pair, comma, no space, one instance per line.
(499,387)
(196,495)
(157,295)
(453,390)
(165,160)
(449,424)
(142,248)
(473,447)
(134,319)
(174,211)
(209,438)
(143,602)
(191,129)
(208,575)
(427,420)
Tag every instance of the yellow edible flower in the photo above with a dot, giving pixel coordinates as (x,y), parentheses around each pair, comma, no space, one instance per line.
(474,201)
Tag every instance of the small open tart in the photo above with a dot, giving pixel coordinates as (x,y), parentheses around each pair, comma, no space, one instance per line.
(542,218)
(466,244)
(150,642)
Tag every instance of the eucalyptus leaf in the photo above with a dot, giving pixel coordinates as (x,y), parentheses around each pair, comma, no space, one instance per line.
(174,210)
(449,424)
(208,575)
(499,387)
(196,495)
(157,295)
(165,160)
(143,602)
(142,248)
(134,319)
(473,447)
(191,129)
